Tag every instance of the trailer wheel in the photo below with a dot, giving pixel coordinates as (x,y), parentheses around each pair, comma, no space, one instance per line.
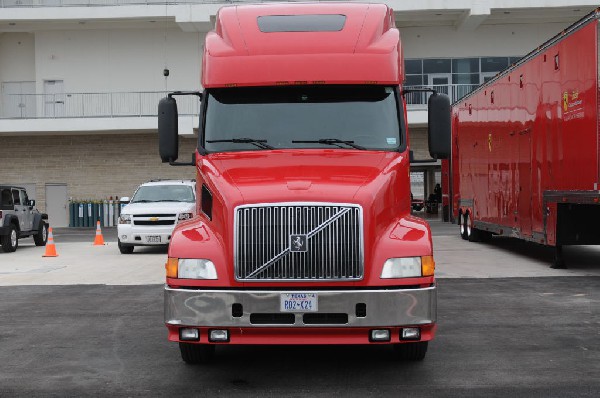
(411,351)
(462,226)
(196,353)
(468,229)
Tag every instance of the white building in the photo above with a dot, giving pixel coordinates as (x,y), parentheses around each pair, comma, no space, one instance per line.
(81,79)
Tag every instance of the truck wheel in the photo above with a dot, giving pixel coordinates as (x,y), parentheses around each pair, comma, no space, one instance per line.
(197,353)
(125,249)
(42,236)
(10,242)
(411,351)
(462,225)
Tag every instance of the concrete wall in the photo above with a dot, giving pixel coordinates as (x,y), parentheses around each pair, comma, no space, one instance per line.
(17,57)
(486,40)
(92,166)
(114,60)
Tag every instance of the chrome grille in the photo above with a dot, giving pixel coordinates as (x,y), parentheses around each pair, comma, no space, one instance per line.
(332,233)
(154,219)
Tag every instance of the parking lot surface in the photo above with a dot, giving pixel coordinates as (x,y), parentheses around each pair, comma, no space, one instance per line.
(89,322)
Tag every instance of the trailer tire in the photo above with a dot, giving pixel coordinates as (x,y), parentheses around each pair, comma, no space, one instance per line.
(196,353)
(411,351)
(468,228)
(41,237)
(462,226)
(10,241)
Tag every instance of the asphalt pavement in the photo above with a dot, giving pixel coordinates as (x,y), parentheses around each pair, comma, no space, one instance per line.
(90,323)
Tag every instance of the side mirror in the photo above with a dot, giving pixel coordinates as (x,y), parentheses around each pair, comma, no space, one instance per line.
(125,199)
(168,130)
(32,203)
(439,126)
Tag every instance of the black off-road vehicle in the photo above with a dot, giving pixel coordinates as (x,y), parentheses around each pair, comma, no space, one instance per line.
(19,219)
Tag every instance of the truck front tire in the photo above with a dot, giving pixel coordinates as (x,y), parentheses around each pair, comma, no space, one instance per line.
(411,351)
(42,235)
(10,242)
(196,353)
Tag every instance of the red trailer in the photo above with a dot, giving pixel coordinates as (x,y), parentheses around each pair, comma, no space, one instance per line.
(525,159)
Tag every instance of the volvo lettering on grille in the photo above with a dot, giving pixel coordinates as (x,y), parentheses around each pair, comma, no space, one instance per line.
(299,241)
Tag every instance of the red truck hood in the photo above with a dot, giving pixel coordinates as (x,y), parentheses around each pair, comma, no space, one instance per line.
(377,181)
(306,175)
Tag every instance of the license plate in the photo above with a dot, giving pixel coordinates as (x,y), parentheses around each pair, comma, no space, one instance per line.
(153,239)
(299,302)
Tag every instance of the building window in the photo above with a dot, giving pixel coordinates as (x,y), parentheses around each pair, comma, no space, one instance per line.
(455,76)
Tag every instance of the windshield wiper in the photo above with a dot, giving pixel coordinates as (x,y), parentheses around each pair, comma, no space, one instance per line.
(143,201)
(259,143)
(330,141)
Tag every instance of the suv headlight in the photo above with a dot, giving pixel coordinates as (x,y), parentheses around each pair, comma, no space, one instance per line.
(191,268)
(408,267)
(125,219)
(185,216)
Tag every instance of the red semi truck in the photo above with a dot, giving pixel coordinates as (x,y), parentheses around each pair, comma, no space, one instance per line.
(525,147)
(303,233)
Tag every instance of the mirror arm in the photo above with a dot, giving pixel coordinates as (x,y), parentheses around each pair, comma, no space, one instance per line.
(192,163)
(196,93)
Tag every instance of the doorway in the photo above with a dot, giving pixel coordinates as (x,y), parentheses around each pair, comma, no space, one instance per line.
(441,82)
(54,98)
(56,205)
(18,99)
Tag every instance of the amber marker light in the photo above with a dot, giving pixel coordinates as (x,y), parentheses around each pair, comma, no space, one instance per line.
(427,266)
(171,266)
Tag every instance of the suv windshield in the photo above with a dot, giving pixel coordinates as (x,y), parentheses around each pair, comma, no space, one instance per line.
(163,193)
(304,116)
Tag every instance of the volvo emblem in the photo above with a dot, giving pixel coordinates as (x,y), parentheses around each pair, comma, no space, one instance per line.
(298,243)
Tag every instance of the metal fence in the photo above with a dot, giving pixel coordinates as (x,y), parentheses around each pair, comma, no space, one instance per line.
(454,91)
(82,105)
(96,3)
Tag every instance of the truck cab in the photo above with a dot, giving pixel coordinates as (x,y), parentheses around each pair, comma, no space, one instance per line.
(303,232)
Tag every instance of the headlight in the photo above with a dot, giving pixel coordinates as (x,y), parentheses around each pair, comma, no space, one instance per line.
(191,268)
(408,267)
(125,219)
(185,216)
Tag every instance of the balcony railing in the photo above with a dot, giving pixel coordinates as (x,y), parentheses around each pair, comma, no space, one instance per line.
(83,105)
(454,91)
(138,104)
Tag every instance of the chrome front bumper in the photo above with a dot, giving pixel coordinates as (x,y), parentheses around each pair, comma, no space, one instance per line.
(385,307)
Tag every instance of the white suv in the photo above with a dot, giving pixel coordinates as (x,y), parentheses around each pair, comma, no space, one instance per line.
(154,210)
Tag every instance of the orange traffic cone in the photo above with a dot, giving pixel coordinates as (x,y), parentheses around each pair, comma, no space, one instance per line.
(99,241)
(50,248)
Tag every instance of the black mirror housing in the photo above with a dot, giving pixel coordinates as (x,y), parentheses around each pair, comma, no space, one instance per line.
(439,126)
(168,130)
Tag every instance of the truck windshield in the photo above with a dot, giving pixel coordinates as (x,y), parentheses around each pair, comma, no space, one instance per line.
(164,193)
(305,116)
